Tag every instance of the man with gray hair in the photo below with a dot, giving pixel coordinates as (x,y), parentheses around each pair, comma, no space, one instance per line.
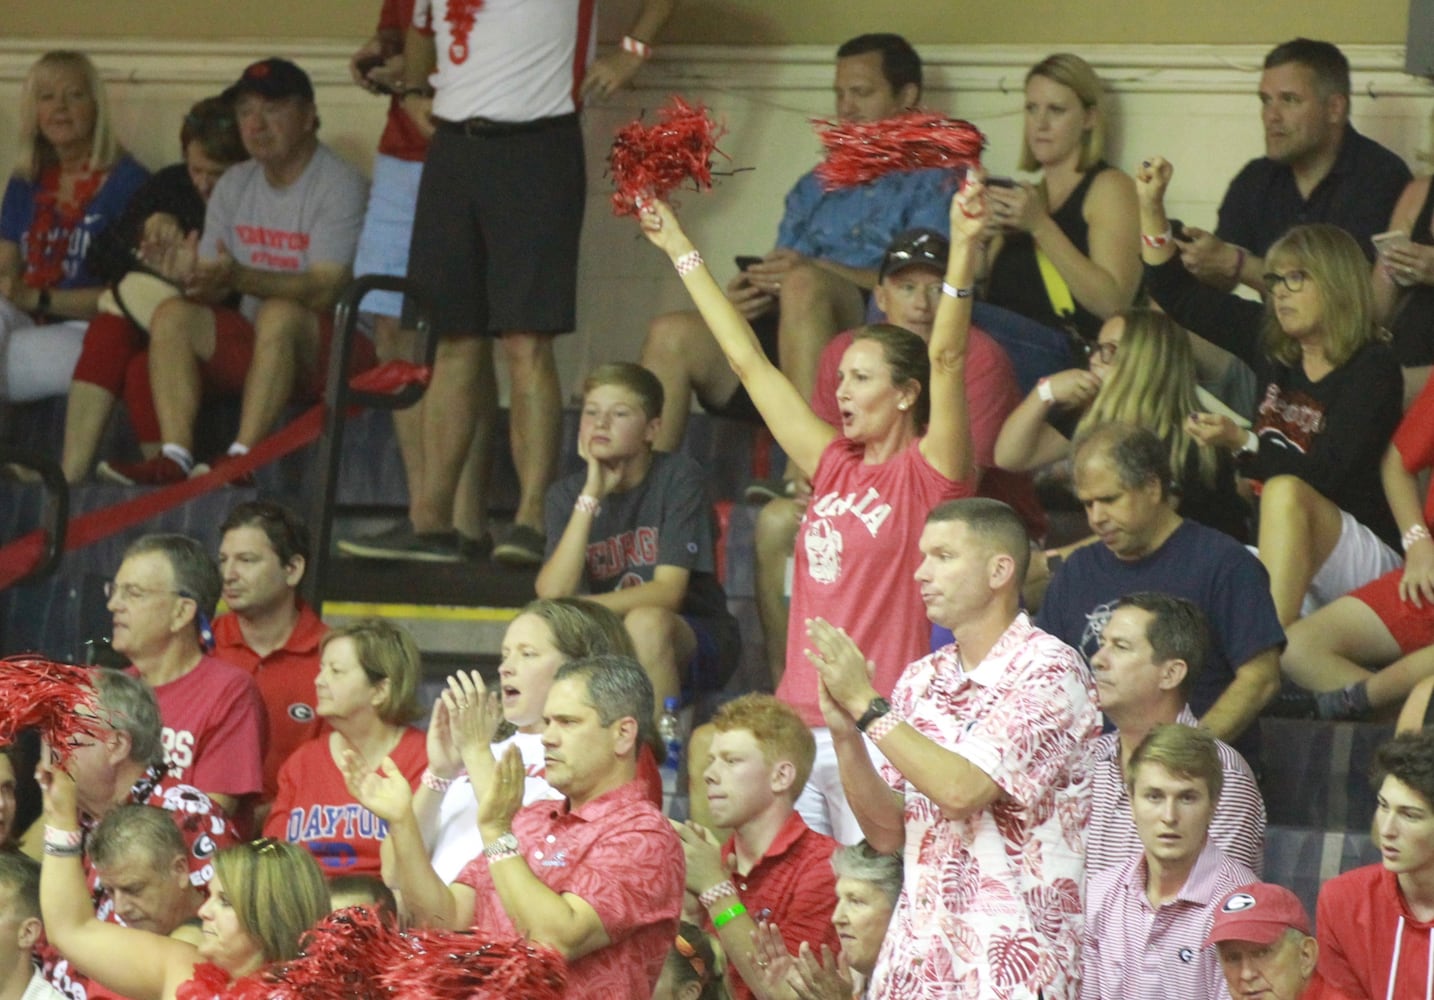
(597,875)
(1266,946)
(123,764)
(21,930)
(215,731)
(1122,479)
(142,863)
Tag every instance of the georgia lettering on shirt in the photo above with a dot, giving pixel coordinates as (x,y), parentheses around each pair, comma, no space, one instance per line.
(1294,419)
(610,557)
(868,510)
(265,247)
(178,750)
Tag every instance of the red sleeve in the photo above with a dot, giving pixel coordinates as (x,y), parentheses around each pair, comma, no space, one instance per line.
(1339,978)
(411,755)
(991,394)
(824,402)
(231,761)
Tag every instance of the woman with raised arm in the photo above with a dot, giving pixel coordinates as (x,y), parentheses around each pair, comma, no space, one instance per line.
(1329,404)
(264,895)
(904,447)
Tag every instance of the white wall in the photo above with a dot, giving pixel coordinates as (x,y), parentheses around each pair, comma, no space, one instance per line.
(1194,105)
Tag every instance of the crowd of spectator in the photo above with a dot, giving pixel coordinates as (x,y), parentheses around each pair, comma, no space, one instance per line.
(990,767)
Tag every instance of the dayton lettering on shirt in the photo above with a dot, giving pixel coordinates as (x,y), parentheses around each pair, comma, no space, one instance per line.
(610,557)
(835,505)
(347,821)
(265,247)
(1292,419)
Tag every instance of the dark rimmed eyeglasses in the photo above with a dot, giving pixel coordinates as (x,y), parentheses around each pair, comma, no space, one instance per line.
(1292,280)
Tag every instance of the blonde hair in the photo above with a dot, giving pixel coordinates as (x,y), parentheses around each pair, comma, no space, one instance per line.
(386,652)
(1332,260)
(1070,70)
(35,152)
(277,892)
(1152,385)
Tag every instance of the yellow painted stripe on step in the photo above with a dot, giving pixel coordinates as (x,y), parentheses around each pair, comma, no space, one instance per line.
(418,612)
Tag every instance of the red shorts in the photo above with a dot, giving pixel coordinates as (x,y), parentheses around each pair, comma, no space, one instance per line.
(226,369)
(1412,628)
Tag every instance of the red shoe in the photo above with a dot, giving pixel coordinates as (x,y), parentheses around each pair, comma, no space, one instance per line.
(245,481)
(161,470)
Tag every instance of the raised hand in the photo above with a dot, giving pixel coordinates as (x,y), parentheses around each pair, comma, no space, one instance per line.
(1152,178)
(383,791)
(503,797)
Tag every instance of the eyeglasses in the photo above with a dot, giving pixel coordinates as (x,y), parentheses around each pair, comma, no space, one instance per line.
(1104,353)
(132,593)
(1292,280)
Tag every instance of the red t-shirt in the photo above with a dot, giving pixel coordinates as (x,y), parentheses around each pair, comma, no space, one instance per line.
(286,684)
(991,395)
(794,886)
(215,728)
(855,556)
(620,855)
(401,138)
(314,807)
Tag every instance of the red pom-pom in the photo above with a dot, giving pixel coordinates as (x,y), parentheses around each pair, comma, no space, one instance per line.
(861,152)
(448,965)
(42,694)
(391,376)
(651,161)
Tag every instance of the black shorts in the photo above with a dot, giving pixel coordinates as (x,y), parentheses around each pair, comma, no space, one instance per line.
(739,405)
(497,226)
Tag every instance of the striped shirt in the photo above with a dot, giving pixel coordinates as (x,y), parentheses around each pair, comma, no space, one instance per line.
(1238,828)
(1133,951)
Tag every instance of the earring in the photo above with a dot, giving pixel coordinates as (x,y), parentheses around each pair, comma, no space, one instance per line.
(901,406)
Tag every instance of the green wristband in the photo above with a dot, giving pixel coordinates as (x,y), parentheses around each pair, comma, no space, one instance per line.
(727,916)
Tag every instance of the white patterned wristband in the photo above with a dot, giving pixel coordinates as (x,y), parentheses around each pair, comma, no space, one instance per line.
(687,263)
(882,727)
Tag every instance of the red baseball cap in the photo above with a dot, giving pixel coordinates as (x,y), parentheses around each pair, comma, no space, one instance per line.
(1259,912)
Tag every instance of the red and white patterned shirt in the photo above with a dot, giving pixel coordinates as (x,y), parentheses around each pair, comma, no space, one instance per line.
(991,905)
(617,853)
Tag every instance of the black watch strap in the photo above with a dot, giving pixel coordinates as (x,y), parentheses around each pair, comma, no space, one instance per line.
(875,709)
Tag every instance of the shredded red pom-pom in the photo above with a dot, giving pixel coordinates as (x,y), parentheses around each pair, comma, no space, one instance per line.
(210,982)
(651,161)
(42,694)
(391,376)
(449,965)
(861,152)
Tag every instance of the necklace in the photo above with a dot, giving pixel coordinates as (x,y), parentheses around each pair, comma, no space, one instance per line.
(47,241)
(459,14)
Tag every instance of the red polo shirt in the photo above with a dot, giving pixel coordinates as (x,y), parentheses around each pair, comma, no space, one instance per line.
(286,683)
(793,884)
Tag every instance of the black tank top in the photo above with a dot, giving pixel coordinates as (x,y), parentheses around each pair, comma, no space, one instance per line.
(1413,323)
(1015,281)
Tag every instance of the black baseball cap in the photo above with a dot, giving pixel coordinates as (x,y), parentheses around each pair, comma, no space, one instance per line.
(274,79)
(915,247)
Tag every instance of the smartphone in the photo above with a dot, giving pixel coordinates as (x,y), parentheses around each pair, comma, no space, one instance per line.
(1177,229)
(744,261)
(1001,182)
(1386,241)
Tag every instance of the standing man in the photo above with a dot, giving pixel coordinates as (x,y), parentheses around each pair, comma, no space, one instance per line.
(774,865)
(829,248)
(279,230)
(1262,934)
(270,631)
(495,243)
(986,785)
(215,727)
(1147,919)
(597,875)
(1152,649)
(1122,478)
(1316,168)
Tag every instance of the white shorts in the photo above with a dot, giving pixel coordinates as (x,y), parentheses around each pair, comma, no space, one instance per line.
(822,803)
(1357,558)
(36,362)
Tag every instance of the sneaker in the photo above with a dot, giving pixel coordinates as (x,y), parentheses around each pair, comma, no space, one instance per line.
(521,547)
(245,481)
(475,549)
(760,491)
(161,470)
(401,542)
(1292,703)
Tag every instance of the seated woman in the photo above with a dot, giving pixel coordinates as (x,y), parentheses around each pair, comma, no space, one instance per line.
(1404,284)
(262,898)
(465,738)
(72,182)
(1061,251)
(367,691)
(1141,372)
(1330,400)
(1367,650)
(167,209)
(903,447)
(867,887)
(694,968)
